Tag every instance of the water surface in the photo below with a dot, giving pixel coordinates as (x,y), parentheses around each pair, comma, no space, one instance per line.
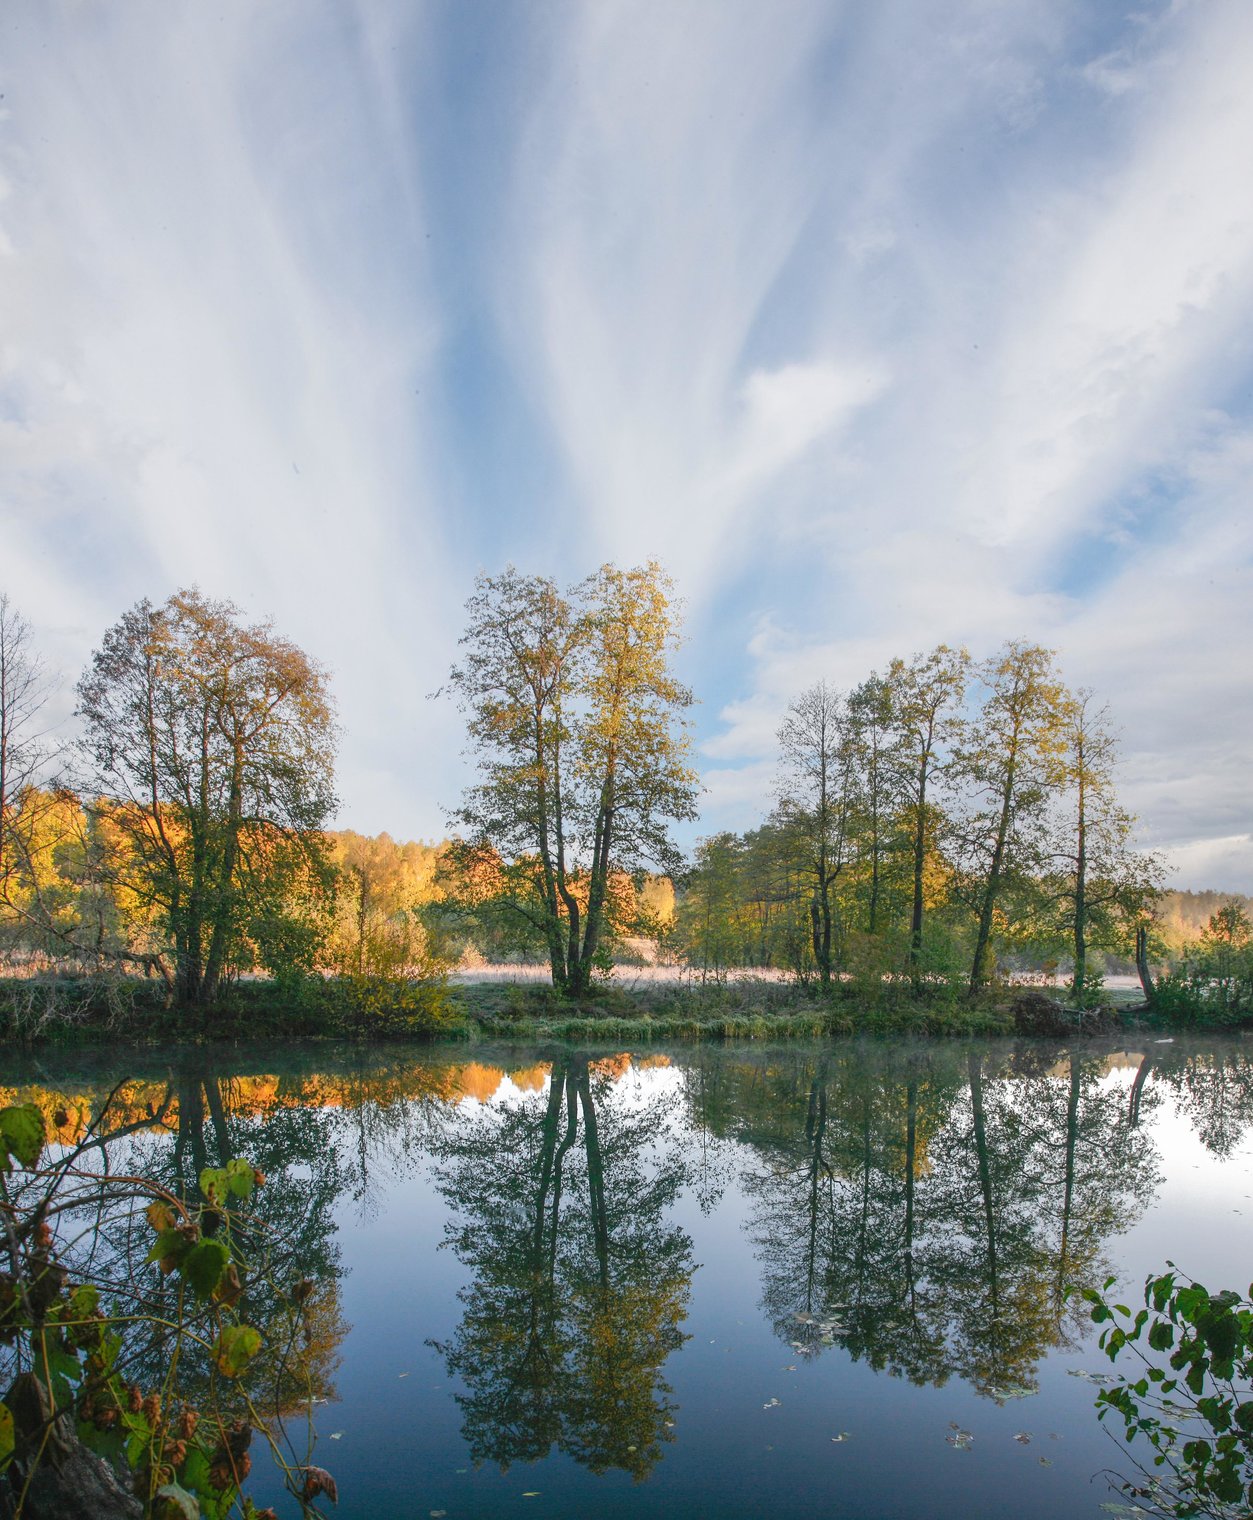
(708,1281)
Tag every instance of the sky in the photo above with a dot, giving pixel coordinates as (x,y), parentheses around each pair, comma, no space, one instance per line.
(878,325)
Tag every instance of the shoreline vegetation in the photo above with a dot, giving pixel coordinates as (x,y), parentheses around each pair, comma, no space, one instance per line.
(68,1012)
(946,841)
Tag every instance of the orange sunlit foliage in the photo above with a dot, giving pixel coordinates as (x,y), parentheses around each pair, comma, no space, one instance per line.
(153,1104)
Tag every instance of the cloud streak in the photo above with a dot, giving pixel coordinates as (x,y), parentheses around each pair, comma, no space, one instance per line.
(877,331)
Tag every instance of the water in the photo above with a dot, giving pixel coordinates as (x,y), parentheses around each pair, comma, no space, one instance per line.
(710,1282)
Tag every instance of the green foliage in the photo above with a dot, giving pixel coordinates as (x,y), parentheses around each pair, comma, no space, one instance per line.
(21,1136)
(1191,1398)
(577,722)
(188,1456)
(1215,983)
(212,745)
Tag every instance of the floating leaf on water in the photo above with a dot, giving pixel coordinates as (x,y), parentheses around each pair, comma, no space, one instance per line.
(1023,1437)
(771,1404)
(1045,1461)
(402,1374)
(531,1493)
(843,1436)
(337,1435)
(960,1439)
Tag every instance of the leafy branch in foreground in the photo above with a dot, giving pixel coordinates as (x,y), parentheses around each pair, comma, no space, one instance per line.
(1196,1412)
(91,1422)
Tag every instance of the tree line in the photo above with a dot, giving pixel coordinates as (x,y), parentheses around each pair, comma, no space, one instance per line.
(940,821)
(940,817)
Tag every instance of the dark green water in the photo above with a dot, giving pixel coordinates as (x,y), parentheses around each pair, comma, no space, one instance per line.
(717,1282)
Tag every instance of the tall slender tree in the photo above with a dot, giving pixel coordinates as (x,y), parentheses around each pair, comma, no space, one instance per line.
(870,710)
(1102,886)
(24,692)
(817,791)
(1011,763)
(926,696)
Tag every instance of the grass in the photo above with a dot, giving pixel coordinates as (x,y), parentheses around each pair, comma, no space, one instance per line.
(70,1011)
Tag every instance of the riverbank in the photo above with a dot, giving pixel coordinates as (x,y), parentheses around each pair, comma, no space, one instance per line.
(69,1011)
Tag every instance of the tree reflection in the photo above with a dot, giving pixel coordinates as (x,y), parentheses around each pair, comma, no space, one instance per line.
(928,1217)
(293,1216)
(1213,1088)
(580,1285)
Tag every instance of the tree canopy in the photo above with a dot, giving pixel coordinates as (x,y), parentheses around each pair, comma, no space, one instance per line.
(576,722)
(211,746)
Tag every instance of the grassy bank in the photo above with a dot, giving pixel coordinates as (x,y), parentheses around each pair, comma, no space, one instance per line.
(69,1011)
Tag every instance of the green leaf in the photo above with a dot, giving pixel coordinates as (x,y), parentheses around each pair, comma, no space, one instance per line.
(203,1266)
(236,1347)
(6,1435)
(21,1136)
(215,1183)
(175,1503)
(240,1177)
(169,1248)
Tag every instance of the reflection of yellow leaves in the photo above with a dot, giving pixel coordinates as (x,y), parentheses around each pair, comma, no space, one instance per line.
(479,1082)
(531,1078)
(613,1067)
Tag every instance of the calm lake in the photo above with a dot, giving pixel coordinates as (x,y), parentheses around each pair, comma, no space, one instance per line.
(794,1281)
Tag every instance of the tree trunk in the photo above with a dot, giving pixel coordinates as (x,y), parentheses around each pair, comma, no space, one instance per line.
(1142,963)
(1081,888)
(66,1481)
(979,974)
(920,855)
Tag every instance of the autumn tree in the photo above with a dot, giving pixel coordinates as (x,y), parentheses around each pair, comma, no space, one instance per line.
(870,713)
(577,722)
(24,806)
(1101,885)
(380,887)
(925,695)
(817,792)
(211,745)
(1010,763)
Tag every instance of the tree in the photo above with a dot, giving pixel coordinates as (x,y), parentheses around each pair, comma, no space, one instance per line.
(926,694)
(212,749)
(580,1281)
(1104,884)
(577,721)
(1010,760)
(817,786)
(870,708)
(24,691)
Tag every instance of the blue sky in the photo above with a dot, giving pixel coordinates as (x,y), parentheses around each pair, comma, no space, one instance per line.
(877,324)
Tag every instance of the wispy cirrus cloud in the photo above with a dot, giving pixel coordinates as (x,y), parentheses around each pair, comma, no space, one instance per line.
(878,326)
